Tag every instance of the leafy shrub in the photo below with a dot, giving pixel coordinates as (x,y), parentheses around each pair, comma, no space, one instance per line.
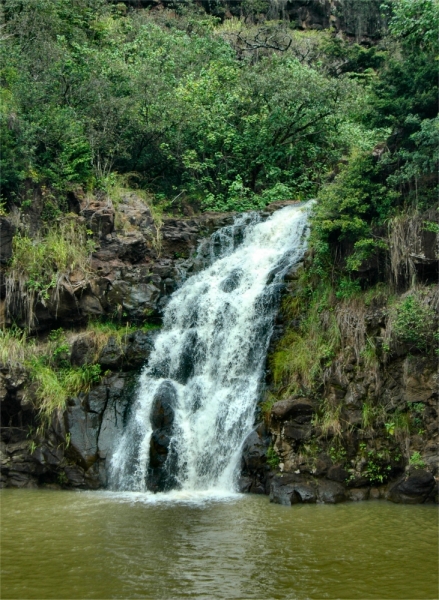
(55,386)
(377,468)
(413,323)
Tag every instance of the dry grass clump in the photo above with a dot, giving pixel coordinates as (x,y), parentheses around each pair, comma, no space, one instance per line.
(16,348)
(328,419)
(404,235)
(351,323)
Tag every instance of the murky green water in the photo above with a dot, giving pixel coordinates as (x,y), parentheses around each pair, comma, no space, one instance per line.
(95,545)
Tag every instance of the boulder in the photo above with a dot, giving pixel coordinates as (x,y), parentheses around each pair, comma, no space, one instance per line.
(139,346)
(414,488)
(83,428)
(162,457)
(292,409)
(74,475)
(294,432)
(337,473)
(99,215)
(288,489)
(254,451)
(111,355)
(83,350)
(358,494)
(97,399)
(330,492)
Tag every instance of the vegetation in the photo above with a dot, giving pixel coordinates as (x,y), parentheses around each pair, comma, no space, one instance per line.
(225,115)
(48,362)
(416,461)
(414,322)
(41,264)
(273,459)
(192,109)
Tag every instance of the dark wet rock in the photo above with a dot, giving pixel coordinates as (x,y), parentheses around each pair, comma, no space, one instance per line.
(119,397)
(244,484)
(232,281)
(83,428)
(255,449)
(83,350)
(162,456)
(330,492)
(162,412)
(414,488)
(7,232)
(338,473)
(90,305)
(292,408)
(294,432)
(97,399)
(357,480)
(188,358)
(18,479)
(254,468)
(291,489)
(111,355)
(75,476)
(137,348)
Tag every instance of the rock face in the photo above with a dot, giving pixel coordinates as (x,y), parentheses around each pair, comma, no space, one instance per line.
(75,448)
(136,266)
(395,457)
(7,232)
(163,459)
(364,25)
(414,488)
(254,467)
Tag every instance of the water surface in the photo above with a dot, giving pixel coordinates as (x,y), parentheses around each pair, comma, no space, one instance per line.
(102,545)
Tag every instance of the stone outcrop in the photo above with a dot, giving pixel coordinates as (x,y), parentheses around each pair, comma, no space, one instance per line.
(73,450)
(161,453)
(343,16)
(395,457)
(137,264)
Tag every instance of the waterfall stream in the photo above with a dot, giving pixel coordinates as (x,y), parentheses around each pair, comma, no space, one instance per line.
(196,397)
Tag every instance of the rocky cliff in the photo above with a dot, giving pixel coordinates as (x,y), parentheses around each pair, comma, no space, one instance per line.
(136,264)
(362,422)
(368,429)
(361,20)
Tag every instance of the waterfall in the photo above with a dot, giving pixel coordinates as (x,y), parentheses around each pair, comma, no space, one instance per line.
(196,398)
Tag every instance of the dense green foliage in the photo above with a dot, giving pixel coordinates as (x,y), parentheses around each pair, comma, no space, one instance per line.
(400,176)
(90,89)
(215,116)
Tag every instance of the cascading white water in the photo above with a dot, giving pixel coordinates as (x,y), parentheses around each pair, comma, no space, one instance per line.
(197,395)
